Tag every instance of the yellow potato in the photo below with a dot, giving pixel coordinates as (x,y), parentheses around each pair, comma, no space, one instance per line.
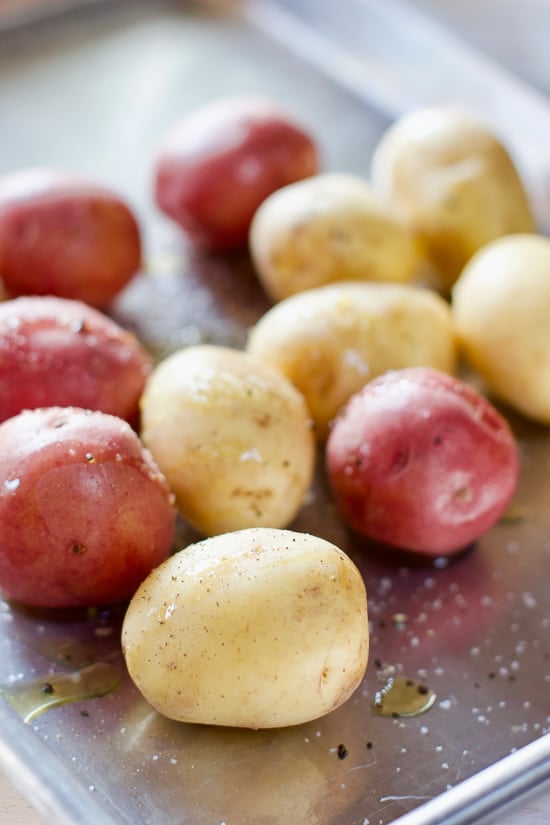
(330,227)
(257,628)
(501,312)
(232,436)
(455,184)
(330,341)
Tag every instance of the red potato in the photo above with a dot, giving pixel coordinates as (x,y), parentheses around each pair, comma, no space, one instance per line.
(85,513)
(63,235)
(218,164)
(57,352)
(419,460)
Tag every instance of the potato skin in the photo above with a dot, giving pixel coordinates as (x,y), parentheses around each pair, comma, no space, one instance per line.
(330,341)
(258,628)
(58,352)
(215,167)
(455,184)
(501,307)
(331,227)
(63,235)
(85,514)
(232,436)
(420,460)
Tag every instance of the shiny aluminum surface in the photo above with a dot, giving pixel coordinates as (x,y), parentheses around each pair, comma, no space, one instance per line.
(94,94)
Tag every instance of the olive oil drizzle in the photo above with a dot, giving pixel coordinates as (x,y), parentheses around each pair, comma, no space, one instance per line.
(30,699)
(402,697)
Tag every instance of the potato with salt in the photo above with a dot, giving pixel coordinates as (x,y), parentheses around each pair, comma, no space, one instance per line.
(258,628)
(330,341)
(501,306)
(330,227)
(455,184)
(232,436)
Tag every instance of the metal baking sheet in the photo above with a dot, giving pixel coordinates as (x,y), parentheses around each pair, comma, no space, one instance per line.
(94,93)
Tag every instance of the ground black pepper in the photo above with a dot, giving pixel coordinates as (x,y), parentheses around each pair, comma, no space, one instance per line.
(342,751)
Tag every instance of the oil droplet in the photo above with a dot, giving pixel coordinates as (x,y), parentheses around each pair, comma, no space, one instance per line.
(30,699)
(403,697)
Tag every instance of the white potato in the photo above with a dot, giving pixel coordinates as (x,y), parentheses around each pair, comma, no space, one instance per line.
(332,340)
(257,628)
(501,312)
(330,227)
(454,182)
(232,436)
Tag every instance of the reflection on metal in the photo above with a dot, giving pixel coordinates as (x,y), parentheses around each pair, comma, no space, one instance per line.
(488,791)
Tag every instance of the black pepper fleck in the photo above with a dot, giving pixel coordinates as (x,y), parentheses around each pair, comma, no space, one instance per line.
(342,751)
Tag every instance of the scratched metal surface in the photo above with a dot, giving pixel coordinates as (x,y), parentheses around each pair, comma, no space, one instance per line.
(94,94)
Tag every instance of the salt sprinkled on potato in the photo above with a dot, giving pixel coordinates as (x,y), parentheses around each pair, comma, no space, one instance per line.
(420,460)
(58,352)
(259,628)
(233,437)
(85,513)
(331,340)
(330,227)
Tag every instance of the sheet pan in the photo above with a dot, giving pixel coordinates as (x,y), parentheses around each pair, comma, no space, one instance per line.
(93,93)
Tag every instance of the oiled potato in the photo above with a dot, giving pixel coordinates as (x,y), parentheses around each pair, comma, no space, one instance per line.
(501,311)
(59,352)
(63,235)
(420,460)
(455,184)
(258,628)
(330,341)
(216,165)
(85,514)
(330,227)
(233,437)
